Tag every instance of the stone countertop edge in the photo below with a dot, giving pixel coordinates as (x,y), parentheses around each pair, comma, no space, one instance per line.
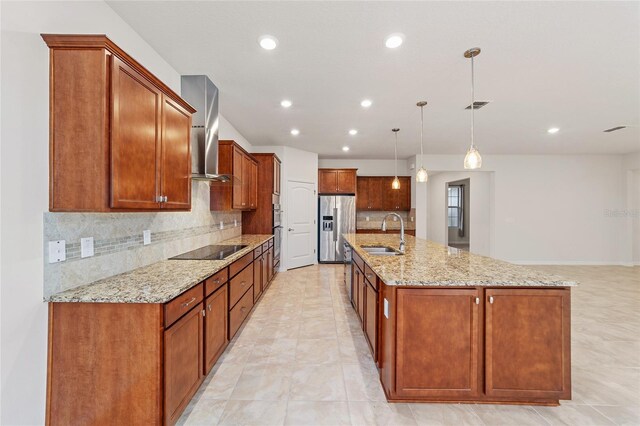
(445,266)
(158,282)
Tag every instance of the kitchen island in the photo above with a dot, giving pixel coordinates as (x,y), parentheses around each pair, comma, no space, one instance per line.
(445,325)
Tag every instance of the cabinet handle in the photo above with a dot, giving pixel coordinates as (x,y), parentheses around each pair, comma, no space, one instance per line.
(243,309)
(477,300)
(491,299)
(209,307)
(243,283)
(203,312)
(369,275)
(184,305)
(217,280)
(166,199)
(159,198)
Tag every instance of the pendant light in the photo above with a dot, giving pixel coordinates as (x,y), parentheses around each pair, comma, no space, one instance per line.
(422,175)
(396,182)
(472,160)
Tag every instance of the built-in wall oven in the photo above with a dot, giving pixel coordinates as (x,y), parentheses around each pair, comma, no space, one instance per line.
(277,230)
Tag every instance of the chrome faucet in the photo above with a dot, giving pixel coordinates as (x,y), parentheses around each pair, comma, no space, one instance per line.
(384,228)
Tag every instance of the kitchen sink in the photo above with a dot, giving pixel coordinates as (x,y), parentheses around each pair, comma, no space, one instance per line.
(381,250)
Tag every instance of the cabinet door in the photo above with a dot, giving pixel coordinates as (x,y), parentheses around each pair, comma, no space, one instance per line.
(216,308)
(527,340)
(371,319)
(276,176)
(376,193)
(238,163)
(246,181)
(362,194)
(265,270)
(437,343)
(176,156)
(183,362)
(253,188)
(355,288)
(327,181)
(404,194)
(270,260)
(346,181)
(257,278)
(135,139)
(390,195)
(361,296)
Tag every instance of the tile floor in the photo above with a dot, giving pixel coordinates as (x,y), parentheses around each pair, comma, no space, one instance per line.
(301,359)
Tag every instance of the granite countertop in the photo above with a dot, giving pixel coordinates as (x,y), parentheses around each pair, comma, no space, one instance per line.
(159,282)
(426,263)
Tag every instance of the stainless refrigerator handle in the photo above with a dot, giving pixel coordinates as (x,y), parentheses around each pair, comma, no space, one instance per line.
(335,224)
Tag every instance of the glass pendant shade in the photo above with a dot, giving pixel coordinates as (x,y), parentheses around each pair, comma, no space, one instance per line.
(396,183)
(472,160)
(422,175)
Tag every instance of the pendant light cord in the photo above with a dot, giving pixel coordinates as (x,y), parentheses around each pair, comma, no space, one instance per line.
(396,153)
(422,136)
(473,101)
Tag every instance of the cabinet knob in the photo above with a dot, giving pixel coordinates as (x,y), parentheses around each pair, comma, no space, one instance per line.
(491,299)
(209,307)
(203,312)
(477,300)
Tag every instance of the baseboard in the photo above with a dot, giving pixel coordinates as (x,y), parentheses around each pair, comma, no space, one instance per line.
(571,263)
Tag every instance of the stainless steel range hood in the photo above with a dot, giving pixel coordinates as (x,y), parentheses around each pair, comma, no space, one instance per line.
(202,94)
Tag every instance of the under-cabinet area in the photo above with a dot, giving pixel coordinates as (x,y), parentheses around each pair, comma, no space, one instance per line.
(134,349)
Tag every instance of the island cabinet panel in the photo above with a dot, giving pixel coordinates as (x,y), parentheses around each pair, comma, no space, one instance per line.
(101,373)
(183,362)
(527,340)
(371,318)
(437,343)
(135,139)
(216,308)
(119,138)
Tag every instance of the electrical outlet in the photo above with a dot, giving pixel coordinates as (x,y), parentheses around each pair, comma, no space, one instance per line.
(367,218)
(221,225)
(57,251)
(86,247)
(146,237)
(235,223)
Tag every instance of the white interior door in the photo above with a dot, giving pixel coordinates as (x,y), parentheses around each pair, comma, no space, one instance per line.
(301,227)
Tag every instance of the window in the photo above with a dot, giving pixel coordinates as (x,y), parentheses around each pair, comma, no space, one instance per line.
(454,205)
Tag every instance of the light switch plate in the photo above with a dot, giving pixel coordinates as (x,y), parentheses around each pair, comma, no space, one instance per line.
(367,218)
(146,237)
(86,247)
(235,222)
(221,225)
(386,308)
(57,251)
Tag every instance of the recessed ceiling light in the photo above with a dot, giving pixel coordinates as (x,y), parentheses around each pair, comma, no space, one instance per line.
(295,132)
(366,103)
(394,40)
(286,103)
(345,148)
(353,132)
(553,130)
(268,42)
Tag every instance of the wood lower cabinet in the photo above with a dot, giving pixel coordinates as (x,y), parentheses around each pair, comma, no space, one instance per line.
(258,284)
(371,318)
(119,137)
(437,343)
(242,190)
(337,181)
(183,363)
(216,308)
(527,341)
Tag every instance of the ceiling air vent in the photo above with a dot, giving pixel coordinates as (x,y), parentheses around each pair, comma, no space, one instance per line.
(478,104)
(613,129)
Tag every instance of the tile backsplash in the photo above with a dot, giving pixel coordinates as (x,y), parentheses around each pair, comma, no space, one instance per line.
(118,241)
(376,217)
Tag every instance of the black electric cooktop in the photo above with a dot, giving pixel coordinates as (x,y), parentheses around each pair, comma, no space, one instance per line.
(210,253)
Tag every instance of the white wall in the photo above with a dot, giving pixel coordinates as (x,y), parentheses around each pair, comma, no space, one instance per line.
(227,131)
(297,165)
(24,182)
(552,209)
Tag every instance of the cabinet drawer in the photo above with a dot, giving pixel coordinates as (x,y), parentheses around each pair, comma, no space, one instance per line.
(239,312)
(257,252)
(214,282)
(358,260)
(371,277)
(240,284)
(240,264)
(182,304)
(271,243)
(265,246)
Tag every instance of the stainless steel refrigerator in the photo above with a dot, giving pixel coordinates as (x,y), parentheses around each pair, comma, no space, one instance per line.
(336,216)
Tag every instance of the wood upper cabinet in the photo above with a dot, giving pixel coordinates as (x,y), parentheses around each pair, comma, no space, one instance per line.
(216,308)
(437,343)
(528,343)
(183,363)
(119,137)
(242,191)
(337,181)
(375,193)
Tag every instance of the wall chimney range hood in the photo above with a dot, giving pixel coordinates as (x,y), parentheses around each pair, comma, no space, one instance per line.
(202,94)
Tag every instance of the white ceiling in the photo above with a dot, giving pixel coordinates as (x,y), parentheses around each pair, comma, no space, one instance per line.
(571,65)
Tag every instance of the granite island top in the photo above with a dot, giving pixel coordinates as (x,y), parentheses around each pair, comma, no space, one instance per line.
(159,282)
(426,263)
